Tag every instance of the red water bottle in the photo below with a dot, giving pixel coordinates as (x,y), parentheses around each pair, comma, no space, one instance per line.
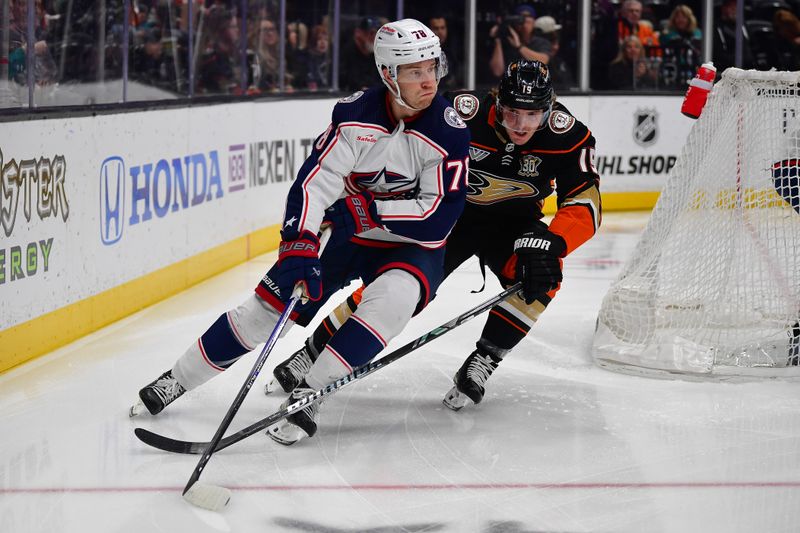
(697,93)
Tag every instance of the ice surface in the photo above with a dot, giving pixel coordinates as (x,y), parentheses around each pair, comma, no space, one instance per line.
(558,445)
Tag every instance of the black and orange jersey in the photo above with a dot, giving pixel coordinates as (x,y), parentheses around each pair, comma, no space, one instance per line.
(508,183)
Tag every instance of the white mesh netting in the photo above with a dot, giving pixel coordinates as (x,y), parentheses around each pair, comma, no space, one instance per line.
(713,286)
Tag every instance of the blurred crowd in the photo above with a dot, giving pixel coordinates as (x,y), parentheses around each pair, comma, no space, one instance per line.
(240,47)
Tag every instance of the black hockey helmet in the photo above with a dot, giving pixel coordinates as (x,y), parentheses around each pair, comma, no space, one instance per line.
(526,85)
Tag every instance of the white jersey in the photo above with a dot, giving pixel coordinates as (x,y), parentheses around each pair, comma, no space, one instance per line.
(416,168)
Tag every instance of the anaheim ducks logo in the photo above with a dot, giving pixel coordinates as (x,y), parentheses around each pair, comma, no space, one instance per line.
(561,122)
(467,105)
(485,188)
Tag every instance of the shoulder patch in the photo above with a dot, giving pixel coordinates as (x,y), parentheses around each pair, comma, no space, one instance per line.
(352,98)
(561,122)
(452,118)
(467,105)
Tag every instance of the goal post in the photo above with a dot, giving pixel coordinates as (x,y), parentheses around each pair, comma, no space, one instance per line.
(713,287)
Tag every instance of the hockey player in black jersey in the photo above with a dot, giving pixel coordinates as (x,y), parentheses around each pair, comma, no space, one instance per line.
(524,147)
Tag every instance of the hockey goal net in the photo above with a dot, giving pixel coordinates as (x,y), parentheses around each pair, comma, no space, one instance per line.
(713,286)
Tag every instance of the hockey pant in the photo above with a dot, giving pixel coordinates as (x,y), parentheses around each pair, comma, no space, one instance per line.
(387,305)
(507,324)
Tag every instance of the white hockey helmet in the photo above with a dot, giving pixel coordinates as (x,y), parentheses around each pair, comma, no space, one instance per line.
(403,42)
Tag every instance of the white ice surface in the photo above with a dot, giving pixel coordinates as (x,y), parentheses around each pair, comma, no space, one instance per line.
(558,445)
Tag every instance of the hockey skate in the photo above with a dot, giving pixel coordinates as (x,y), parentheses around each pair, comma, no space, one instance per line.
(298,425)
(291,372)
(470,380)
(158,394)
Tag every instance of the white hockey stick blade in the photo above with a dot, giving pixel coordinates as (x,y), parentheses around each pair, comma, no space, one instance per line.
(137,409)
(205,496)
(455,400)
(272,386)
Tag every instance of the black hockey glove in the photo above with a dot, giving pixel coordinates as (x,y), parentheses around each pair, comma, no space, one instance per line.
(538,262)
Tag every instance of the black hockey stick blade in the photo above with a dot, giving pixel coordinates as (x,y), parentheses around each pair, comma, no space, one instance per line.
(210,496)
(186,447)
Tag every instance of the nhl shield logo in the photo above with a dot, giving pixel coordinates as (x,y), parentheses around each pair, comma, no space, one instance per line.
(645,126)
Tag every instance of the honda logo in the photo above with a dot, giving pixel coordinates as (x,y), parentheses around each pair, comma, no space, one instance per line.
(112,199)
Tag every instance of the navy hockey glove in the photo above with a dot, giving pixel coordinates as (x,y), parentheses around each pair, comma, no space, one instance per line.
(353,215)
(538,262)
(298,262)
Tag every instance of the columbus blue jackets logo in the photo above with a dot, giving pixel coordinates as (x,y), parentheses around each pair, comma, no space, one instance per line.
(645,127)
(352,98)
(452,118)
(467,105)
(383,183)
(485,188)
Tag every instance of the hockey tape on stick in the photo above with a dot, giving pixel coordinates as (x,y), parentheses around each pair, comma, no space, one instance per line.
(210,496)
(179,446)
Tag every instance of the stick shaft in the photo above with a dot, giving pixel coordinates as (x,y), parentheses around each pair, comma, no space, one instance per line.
(178,446)
(251,378)
(246,386)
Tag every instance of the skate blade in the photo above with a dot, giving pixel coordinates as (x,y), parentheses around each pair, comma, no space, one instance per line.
(272,386)
(455,400)
(286,434)
(137,409)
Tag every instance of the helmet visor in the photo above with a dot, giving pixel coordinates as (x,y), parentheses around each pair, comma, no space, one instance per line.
(423,71)
(521,120)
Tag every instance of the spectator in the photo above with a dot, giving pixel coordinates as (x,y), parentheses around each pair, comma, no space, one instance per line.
(630,69)
(266,45)
(44,67)
(787,39)
(453,80)
(357,67)
(319,60)
(514,39)
(219,52)
(630,23)
(149,64)
(681,42)
(297,54)
(547,28)
(725,39)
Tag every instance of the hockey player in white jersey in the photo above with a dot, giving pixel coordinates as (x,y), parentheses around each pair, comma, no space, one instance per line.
(389,176)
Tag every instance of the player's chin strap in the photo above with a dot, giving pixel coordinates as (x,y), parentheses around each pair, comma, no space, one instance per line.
(396,93)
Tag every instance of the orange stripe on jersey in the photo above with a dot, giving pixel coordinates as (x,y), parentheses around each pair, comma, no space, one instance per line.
(588,133)
(573,191)
(507,320)
(482,146)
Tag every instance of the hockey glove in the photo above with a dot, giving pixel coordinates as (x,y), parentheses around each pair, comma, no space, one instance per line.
(353,215)
(538,262)
(298,262)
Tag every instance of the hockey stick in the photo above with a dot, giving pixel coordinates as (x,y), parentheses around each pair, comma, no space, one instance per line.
(179,446)
(213,497)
